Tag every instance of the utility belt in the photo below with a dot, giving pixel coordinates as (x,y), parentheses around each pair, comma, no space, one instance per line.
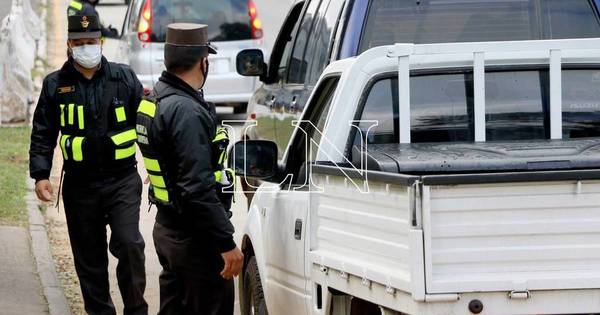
(161,190)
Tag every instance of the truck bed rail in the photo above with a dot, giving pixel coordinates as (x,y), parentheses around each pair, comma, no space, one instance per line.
(551,51)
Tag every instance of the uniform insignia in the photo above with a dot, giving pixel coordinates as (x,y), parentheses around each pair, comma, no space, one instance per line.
(84,22)
(66,89)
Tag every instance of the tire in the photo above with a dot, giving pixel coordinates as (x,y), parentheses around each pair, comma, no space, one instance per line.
(252,298)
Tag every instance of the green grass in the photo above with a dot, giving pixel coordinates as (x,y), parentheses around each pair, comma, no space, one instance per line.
(14,147)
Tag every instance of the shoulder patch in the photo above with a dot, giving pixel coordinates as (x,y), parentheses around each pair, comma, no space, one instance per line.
(66,89)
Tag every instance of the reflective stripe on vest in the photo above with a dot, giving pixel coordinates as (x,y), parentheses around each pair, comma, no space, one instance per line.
(152,165)
(120,114)
(157,181)
(124,137)
(71,116)
(221,136)
(160,194)
(80,117)
(148,108)
(72,146)
(125,153)
(77,147)
(62,115)
(63,144)
(76,5)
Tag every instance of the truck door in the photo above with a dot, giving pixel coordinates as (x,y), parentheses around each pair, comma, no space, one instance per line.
(292,92)
(287,286)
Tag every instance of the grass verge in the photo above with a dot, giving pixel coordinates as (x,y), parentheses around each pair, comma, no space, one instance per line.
(14,146)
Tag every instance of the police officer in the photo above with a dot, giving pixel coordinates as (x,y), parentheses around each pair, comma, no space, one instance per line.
(88,7)
(93,104)
(177,132)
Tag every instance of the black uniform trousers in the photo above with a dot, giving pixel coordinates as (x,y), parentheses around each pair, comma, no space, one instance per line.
(190,282)
(89,207)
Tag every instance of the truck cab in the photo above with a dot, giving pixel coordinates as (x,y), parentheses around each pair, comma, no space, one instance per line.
(453,178)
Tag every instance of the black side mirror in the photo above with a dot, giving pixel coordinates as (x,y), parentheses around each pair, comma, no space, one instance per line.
(251,63)
(254,159)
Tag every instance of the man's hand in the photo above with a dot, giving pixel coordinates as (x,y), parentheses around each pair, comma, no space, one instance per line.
(43,190)
(234,259)
(113,32)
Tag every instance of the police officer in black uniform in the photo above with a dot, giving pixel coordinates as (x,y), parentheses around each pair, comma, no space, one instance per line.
(93,104)
(177,133)
(88,7)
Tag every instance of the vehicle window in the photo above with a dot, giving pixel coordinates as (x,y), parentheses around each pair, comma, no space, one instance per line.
(317,115)
(227,20)
(517,107)
(283,45)
(298,63)
(581,103)
(323,41)
(285,57)
(438,110)
(436,21)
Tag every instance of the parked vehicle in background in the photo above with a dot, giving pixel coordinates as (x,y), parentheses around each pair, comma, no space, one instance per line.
(317,32)
(233,25)
(272,13)
(427,179)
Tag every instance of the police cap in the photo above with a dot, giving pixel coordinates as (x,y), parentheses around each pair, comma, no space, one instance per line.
(189,35)
(84,26)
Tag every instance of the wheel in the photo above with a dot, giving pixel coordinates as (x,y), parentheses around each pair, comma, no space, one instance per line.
(241,109)
(252,298)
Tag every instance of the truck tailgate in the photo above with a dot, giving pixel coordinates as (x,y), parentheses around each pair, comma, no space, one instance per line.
(511,236)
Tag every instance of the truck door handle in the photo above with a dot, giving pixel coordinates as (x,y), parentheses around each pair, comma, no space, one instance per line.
(271,102)
(298,229)
(293,106)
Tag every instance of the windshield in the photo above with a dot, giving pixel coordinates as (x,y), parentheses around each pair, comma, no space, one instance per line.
(227,20)
(439,21)
(517,106)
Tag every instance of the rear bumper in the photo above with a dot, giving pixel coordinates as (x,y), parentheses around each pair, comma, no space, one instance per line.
(540,302)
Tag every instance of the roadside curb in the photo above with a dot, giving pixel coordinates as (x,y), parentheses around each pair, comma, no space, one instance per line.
(40,247)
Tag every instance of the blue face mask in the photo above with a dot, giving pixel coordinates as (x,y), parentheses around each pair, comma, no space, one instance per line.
(87,56)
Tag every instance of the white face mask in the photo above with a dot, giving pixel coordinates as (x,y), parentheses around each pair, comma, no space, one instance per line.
(87,56)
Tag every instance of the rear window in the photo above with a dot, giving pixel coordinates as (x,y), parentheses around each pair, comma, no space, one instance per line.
(227,20)
(517,107)
(439,21)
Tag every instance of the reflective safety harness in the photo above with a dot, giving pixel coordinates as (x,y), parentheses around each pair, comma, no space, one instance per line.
(74,7)
(158,184)
(160,193)
(73,146)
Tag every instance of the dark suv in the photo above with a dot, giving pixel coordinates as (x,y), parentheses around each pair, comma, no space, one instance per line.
(317,32)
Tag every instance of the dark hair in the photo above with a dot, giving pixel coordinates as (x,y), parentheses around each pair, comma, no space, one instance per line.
(182,58)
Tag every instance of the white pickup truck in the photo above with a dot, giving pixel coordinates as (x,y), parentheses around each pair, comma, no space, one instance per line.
(458,178)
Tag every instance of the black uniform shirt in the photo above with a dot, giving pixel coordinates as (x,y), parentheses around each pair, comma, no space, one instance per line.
(46,119)
(182,133)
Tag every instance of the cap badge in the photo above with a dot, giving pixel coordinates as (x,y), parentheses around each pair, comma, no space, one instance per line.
(84,22)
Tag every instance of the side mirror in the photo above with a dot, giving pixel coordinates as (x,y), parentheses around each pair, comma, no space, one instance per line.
(251,63)
(254,159)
